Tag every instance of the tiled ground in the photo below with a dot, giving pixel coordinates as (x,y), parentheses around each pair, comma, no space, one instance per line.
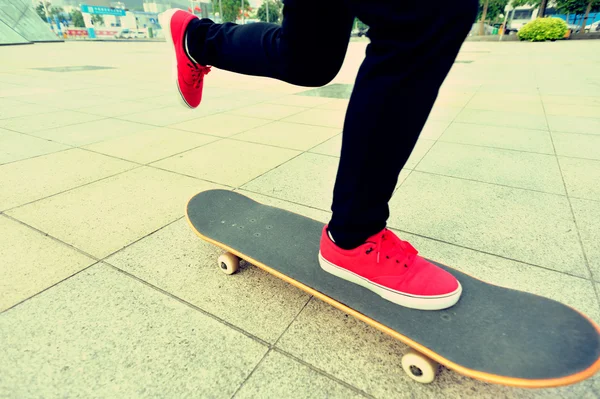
(105,291)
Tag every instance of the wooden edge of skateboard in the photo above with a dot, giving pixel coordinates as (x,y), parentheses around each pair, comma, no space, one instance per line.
(479,375)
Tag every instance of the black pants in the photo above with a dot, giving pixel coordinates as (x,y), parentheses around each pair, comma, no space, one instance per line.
(413,45)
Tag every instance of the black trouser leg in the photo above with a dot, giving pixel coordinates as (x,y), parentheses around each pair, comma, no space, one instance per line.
(413,45)
(301,51)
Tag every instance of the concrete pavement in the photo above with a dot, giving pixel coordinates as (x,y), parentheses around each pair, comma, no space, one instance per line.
(105,291)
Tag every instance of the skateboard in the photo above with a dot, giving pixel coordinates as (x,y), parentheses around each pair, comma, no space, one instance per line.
(494,334)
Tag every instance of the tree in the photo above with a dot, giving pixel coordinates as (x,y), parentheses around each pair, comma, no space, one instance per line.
(56,11)
(539,4)
(571,6)
(275,7)
(489,10)
(77,18)
(542,9)
(40,10)
(591,3)
(97,20)
(494,10)
(231,8)
(483,15)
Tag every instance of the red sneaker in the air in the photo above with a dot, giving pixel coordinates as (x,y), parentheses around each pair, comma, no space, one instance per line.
(187,73)
(393,269)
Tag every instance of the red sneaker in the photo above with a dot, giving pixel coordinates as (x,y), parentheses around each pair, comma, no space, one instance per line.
(391,268)
(188,75)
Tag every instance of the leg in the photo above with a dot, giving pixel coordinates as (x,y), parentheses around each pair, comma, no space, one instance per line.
(294,52)
(395,89)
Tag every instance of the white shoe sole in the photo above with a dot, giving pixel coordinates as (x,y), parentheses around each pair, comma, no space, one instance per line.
(165,23)
(438,302)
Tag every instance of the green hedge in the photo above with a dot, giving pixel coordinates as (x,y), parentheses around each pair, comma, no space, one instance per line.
(542,29)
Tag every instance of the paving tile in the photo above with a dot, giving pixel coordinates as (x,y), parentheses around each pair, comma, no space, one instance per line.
(453,98)
(33,123)
(103,217)
(499,137)
(8,102)
(335,104)
(36,178)
(587,215)
(67,100)
(251,299)
(164,116)
(60,343)
(288,135)
(418,152)
(573,110)
(577,145)
(120,108)
(267,111)
(520,85)
(223,161)
(581,177)
(91,132)
(573,124)
(319,117)
(20,109)
(524,225)
(223,125)
(151,145)
(16,146)
(165,100)
(278,376)
(434,129)
(301,101)
(404,173)
(18,92)
(571,100)
(25,272)
(492,165)
(444,113)
(519,103)
(499,118)
(258,95)
(332,147)
(307,179)
(115,92)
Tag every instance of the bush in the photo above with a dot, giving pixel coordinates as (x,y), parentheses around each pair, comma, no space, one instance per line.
(541,29)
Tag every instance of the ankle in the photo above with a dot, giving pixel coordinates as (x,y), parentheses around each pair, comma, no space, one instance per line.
(344,244)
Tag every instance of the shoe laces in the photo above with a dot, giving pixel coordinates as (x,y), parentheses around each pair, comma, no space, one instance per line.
(393,248)
(198,72)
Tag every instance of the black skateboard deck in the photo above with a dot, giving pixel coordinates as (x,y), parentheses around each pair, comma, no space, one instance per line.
(493,334)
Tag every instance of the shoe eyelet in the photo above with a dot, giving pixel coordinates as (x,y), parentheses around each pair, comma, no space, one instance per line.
(368,251)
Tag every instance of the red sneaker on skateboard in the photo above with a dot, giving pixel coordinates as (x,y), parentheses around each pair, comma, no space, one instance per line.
(391,268)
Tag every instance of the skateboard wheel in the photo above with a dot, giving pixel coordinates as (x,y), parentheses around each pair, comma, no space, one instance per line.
(418,367)
(228,263)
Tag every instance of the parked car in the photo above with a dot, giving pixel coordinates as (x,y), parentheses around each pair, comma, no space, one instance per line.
(130,34)
(595,27)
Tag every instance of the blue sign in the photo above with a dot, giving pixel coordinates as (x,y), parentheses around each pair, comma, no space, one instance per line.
(102,10)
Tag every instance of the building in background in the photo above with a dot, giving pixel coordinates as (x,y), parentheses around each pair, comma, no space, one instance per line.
(20,24)
(105,3)
(156,6)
